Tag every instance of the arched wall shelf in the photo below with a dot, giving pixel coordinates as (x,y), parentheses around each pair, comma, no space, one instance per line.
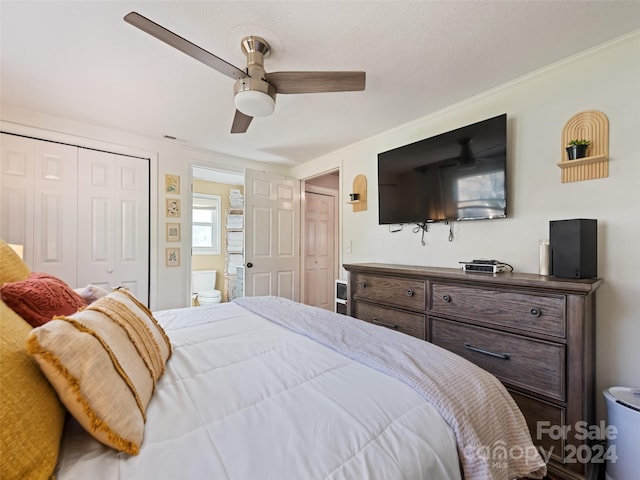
(360,189)
(594,126)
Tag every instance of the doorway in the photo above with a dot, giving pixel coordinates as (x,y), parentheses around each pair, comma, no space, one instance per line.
(320,259)
(217,201)
(318,283)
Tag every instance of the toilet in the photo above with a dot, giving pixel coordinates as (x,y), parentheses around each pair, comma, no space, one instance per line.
(203,284)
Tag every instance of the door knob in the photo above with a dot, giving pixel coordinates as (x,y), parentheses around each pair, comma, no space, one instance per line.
(249,265)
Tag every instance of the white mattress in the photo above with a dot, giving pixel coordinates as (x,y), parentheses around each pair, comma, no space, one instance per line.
(244,398)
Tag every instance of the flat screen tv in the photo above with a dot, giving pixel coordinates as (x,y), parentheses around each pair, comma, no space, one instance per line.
(457,175)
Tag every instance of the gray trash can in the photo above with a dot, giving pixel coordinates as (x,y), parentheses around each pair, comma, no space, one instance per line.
(623,412)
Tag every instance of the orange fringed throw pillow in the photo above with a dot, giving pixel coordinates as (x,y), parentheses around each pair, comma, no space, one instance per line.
(104,362)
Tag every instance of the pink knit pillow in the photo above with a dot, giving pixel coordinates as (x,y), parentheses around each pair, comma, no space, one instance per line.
(41,297)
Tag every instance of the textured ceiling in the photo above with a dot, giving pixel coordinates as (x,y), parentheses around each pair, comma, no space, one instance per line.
(81,61)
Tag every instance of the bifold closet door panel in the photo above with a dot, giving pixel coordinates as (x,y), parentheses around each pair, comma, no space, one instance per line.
(16,192)
(39,201)
(113,221)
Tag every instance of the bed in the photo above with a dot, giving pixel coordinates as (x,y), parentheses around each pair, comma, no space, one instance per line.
(267,388)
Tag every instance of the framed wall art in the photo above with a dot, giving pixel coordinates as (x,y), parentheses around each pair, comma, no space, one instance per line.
(173,232)
(173,207)
(173,257)
(172,183)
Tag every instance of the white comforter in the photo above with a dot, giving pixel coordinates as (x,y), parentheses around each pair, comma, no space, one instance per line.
(244,398)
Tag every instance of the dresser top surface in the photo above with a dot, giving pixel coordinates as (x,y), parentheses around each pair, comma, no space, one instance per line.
(529,280)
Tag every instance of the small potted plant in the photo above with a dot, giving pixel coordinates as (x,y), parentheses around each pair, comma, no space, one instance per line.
(578,148)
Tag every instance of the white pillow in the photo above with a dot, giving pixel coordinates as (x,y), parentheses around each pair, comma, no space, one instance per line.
(91,293)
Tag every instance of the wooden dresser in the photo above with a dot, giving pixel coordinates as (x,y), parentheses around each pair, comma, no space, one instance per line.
(535,333)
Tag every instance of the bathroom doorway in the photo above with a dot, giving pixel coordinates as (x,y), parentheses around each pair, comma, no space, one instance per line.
(217,202)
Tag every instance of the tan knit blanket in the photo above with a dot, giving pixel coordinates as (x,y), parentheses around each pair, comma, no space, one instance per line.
(491,432)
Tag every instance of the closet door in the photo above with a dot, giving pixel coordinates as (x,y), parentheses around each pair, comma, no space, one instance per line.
(319,251)
(113,222)
(38,205)
(17,190)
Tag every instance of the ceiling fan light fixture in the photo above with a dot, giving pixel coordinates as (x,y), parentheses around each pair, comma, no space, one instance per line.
(255,103)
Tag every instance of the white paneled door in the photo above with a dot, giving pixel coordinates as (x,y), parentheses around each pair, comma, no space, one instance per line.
(272,239)
(81,215)
(113,238)
(38,183)
(319,258)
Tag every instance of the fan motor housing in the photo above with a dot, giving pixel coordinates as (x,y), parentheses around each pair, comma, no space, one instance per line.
(254,85)
(255,48)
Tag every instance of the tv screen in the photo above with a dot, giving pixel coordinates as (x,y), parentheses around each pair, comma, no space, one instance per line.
(457,175)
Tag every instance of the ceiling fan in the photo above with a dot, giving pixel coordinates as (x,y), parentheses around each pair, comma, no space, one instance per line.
(255,90)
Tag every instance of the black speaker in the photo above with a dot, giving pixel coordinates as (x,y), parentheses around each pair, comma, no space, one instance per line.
(573,246)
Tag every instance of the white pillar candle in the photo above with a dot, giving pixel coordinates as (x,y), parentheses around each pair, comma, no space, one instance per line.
(543,268)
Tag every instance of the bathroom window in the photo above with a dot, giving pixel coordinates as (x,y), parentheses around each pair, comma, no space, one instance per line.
(205,222)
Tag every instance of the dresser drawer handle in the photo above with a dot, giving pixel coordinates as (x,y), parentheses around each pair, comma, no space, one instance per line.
(446,298)
(362,284)
(395,326)
(410,293)
(535,311)
(504,356)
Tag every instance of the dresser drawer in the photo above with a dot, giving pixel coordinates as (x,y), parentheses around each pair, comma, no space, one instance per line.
(530,313)
(413,324)
(531,364)
(403,292)
(550,417)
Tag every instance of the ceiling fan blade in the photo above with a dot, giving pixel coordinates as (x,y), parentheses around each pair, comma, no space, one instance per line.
(184,45)
(240,122)
(316,82)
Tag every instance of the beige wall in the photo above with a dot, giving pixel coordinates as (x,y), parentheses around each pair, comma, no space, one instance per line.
(215,262)
(537,106)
